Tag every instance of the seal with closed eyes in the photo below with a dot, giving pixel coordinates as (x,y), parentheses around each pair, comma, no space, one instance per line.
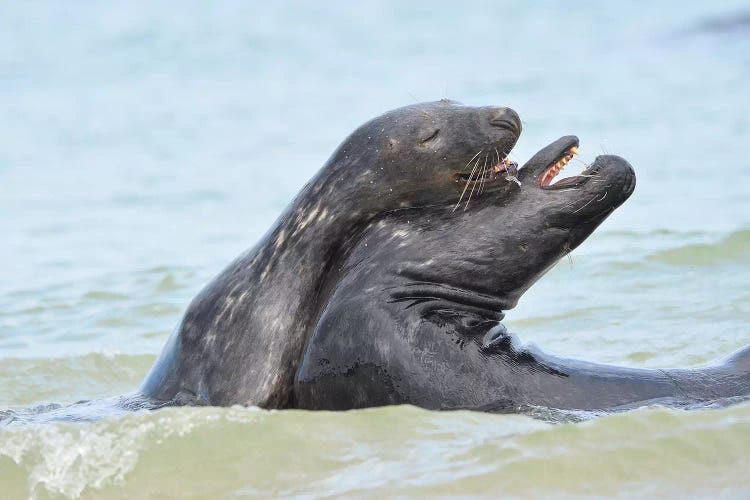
(387,278)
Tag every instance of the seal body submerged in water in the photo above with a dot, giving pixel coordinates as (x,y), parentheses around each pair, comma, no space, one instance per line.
(386,279)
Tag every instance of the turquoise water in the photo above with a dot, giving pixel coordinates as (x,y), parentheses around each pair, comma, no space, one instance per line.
(143,147)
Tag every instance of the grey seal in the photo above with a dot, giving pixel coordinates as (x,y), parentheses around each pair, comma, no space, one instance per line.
(387,279)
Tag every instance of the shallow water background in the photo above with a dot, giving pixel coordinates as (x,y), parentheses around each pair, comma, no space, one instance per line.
(142,147)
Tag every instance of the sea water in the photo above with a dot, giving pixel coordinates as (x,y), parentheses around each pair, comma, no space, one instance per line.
(143,146)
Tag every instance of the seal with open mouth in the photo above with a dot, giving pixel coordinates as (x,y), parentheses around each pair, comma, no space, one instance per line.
(386,281)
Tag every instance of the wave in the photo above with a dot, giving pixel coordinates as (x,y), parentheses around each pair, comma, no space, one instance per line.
(395,451)
(30,380)
(733,248)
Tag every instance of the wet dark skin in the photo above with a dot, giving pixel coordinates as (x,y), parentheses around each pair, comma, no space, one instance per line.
(387,278)
(242,339)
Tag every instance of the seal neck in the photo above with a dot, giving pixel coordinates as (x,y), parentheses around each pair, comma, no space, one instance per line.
(303,251)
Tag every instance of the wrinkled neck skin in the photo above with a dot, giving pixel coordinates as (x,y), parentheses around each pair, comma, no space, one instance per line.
(428,276)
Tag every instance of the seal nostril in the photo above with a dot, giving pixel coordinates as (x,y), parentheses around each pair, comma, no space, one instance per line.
(506,118)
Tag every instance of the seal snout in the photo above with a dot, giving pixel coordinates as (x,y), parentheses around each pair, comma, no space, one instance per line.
(618,171)
(505,118)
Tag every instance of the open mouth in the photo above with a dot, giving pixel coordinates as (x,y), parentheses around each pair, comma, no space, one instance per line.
(548,176)
(549,179)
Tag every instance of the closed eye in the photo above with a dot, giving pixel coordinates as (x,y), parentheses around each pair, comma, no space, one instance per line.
(432,136)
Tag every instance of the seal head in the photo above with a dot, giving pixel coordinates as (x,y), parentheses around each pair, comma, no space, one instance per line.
(415,156)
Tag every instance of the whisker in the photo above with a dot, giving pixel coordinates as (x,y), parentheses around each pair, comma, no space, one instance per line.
(468,181)
(587,204)
(471,193)
(484,174)
(569,205)
(472,158)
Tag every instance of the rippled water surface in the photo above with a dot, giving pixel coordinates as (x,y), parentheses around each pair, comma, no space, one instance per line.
(142,147)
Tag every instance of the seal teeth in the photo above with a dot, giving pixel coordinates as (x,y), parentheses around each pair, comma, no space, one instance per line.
(503,166)
(558,166)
